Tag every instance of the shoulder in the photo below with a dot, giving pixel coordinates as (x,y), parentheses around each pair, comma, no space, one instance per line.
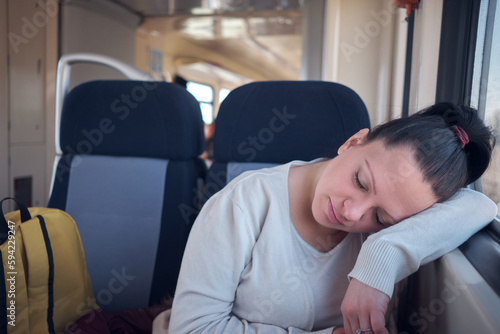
(246,201)
(261,173)
(276,176)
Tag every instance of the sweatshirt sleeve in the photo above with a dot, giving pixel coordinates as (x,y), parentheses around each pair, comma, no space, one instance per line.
(394,253)
(218,249)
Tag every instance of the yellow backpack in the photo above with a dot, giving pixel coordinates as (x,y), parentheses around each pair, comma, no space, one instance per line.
(47,286)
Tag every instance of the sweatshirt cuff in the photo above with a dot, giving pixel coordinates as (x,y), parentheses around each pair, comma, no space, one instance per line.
(379,272)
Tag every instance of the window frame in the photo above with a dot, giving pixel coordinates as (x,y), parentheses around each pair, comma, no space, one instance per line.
(454,84)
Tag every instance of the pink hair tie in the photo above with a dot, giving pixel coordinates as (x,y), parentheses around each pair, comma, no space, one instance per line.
(461,134)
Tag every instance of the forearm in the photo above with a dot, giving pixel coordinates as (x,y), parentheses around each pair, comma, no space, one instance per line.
(394,253)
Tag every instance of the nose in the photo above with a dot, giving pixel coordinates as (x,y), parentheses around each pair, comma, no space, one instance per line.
(353,209)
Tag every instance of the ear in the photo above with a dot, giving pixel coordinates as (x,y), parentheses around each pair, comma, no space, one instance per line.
(356,139)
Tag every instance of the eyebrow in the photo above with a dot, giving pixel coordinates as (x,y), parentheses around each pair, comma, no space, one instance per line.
(375,192)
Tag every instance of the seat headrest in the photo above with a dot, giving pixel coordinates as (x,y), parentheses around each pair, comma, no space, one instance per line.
(280,121)
(132,118)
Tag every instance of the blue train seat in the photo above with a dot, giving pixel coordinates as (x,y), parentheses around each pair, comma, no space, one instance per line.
(129,175)
(262,124)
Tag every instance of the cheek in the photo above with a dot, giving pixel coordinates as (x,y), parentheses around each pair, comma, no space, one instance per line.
(334,183)
(319,196)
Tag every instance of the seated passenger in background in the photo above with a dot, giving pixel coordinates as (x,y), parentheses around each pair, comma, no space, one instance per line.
(273,252)
(208,155)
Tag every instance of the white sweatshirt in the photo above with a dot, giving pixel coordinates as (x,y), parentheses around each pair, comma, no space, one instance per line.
(247,270)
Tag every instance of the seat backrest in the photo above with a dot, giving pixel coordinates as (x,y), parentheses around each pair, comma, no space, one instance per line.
(267,123)
(129,176)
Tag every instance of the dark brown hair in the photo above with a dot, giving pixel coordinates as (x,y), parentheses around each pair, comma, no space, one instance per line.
(445,164)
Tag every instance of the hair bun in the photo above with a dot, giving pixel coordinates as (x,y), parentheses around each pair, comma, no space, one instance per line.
(479,141)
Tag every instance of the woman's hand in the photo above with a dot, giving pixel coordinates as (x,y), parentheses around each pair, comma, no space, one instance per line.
(364,307)
(338,331)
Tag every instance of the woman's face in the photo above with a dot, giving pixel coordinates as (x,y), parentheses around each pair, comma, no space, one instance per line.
(368,187)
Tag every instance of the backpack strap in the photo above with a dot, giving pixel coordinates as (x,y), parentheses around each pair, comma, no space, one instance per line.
(50,283)
(4,227)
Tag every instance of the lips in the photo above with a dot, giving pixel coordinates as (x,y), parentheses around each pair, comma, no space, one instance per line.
(332,215)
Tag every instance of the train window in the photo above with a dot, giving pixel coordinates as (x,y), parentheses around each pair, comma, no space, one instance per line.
(223,92)
(485,94)
(205,95)
(469,72)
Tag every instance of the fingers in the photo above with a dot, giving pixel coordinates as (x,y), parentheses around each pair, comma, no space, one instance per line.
(377,323)
(364,323)
(347,325)
(363,318)
(364,307)
(350,318)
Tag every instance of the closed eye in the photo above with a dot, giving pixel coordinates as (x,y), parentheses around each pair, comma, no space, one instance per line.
(360,186)
(358,183)
(377,219)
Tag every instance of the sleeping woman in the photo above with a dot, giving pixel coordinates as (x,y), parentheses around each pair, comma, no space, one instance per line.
(276,250)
